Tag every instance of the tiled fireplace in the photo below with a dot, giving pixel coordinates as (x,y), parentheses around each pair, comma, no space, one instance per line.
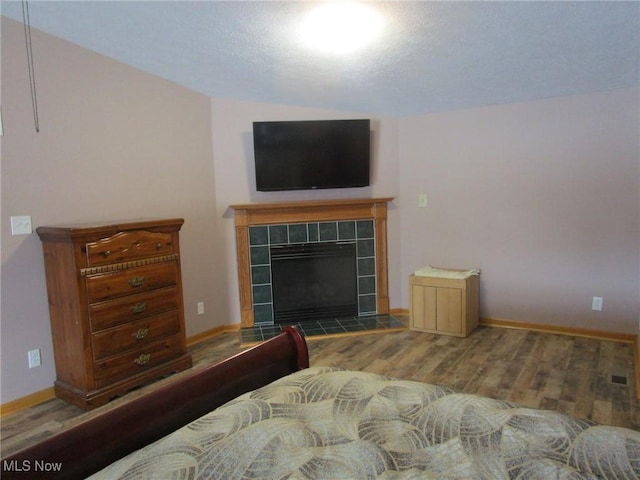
(262,227)
(263,237)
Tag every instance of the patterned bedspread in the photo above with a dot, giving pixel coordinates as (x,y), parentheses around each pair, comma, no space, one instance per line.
(324,423)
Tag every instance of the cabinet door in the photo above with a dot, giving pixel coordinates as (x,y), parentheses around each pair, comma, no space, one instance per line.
(449,310)
(423,307)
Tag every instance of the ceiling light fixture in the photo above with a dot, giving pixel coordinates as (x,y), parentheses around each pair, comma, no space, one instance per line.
(340,27)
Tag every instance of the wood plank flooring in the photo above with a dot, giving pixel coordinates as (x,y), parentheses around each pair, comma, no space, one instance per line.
(541,370)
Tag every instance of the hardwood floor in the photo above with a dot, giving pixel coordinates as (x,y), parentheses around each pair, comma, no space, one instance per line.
(541,370)
(556,372)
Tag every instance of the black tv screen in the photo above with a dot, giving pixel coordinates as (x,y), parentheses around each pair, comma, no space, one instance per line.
(310,154)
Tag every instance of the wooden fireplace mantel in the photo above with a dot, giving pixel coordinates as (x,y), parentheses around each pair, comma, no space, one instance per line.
(253,214)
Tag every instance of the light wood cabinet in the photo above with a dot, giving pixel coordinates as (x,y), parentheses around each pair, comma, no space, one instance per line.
(448,306)
(116,308)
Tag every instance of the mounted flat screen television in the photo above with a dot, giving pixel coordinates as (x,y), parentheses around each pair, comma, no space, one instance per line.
(311,154)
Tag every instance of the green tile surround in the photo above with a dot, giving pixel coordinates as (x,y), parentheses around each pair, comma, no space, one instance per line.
(262,237)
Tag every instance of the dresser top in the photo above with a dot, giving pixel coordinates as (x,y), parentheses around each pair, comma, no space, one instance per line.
(70,232)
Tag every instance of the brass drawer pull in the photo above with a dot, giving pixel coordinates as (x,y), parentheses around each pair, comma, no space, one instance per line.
(138,307)
(141,333)
(136,281)
(143,359)
(107,253)
(158,246)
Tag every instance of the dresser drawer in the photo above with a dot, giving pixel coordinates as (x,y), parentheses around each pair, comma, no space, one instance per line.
(123,338)
(103,286)
(132,308)
(127,246)
(136,361)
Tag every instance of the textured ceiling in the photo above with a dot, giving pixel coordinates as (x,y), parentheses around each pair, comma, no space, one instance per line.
(432,56)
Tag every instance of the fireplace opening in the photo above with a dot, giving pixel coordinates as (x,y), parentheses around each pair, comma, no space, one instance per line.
(314,281)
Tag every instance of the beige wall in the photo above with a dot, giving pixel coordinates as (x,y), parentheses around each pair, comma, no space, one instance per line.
(543,196)
(114,144)
(235,180)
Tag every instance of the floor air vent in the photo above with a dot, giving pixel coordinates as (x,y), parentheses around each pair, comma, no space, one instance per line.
(617,379)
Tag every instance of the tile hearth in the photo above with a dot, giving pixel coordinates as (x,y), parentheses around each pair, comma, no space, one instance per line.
(332,326)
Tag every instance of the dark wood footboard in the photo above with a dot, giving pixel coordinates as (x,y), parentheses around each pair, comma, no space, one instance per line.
(96,443)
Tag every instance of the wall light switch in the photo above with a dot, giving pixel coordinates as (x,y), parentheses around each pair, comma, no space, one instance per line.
(34,358)
(21,225)
(200,308)
(422,200)
(596,304)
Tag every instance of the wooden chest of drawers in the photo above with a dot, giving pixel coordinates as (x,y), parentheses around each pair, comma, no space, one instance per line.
(115,303)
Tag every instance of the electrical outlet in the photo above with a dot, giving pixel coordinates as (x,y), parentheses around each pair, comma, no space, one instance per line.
(34,358)
(21,225)
(200,308)
(596,304)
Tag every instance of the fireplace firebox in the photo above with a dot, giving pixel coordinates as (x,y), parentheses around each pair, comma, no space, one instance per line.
(314,281)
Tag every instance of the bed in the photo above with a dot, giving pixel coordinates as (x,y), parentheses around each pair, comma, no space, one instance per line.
(265,413)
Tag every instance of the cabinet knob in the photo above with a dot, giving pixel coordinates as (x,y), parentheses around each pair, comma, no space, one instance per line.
(158,246)
(141,333)
(143,359)
(138,307)
(107,253)
(136,281)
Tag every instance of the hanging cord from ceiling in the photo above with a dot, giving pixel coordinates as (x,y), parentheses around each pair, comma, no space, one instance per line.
(32,73)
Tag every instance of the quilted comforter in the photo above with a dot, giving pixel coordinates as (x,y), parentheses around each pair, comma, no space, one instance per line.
(325,423)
